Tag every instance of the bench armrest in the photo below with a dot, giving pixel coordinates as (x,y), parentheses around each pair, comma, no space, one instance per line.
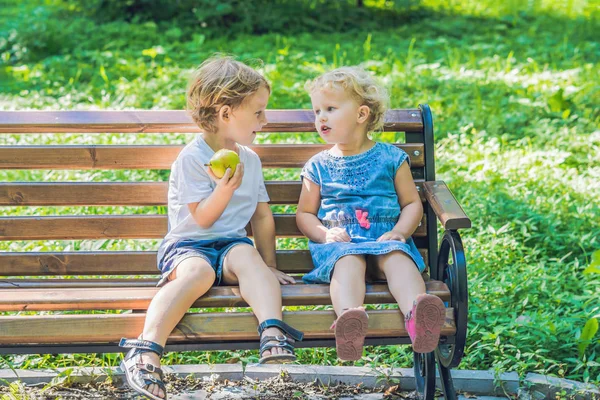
(445,206)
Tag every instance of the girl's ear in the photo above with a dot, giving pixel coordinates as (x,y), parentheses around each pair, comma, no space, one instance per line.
(363,114)
(225,113)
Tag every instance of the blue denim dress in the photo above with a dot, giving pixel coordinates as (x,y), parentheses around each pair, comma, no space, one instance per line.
(350,187)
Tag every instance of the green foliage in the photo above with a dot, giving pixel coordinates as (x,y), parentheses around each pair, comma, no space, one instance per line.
(219,18)
(513,88)
(591,326)
(588,333)
(594,267)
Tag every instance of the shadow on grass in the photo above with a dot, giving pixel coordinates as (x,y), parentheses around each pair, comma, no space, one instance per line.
(552,231)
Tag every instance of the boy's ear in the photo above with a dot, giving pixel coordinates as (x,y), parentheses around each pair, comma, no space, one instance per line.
(363,114)
(225,113)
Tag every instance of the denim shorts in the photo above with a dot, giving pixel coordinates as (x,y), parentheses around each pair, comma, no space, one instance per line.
(173,252)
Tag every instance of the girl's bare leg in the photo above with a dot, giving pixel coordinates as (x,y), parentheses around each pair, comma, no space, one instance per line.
(348,283)
(347,295)
(427,312)
(403,277)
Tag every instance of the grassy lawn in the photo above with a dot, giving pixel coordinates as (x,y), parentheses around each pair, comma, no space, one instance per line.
(514,90)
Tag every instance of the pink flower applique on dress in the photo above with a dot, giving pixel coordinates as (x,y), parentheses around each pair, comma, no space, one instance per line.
(362,219)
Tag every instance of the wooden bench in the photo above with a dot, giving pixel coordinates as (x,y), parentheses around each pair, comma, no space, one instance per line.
(40,290)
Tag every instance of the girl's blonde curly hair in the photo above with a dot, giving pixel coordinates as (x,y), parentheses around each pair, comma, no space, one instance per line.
(363,88)
(220,81)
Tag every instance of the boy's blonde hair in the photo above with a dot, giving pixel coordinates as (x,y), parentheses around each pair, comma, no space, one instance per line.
(359,84)
(220,81)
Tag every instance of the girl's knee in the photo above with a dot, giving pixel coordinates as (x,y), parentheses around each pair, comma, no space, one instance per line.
(397,264)
(350,267)
(395,258)
(397,254)
(355,261)
(353,258)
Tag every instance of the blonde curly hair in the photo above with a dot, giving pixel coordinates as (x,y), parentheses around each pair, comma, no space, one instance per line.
(361,86)
(220,81)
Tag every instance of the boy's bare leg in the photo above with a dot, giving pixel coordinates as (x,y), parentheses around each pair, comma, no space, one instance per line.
(260,288)
(191,279)
(347,286)
(403,277)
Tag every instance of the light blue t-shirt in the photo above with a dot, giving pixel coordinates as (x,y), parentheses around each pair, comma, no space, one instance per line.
(190,183)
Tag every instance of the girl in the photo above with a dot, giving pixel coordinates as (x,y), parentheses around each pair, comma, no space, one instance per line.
(206,243)
(358,206)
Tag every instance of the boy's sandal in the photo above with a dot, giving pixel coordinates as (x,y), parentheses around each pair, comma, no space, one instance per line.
(285,341)
(139,375)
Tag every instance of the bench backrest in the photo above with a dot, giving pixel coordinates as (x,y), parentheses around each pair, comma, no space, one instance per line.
(38,220)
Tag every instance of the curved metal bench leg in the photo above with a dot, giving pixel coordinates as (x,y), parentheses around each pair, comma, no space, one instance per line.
(424,365)
(446,381)
(452,270)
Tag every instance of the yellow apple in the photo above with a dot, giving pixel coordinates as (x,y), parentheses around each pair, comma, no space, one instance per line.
(222,160)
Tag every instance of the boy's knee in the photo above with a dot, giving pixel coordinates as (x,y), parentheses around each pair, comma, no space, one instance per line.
(195,269)
(240,256)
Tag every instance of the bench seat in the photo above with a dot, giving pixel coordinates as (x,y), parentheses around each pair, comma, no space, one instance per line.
(65,297)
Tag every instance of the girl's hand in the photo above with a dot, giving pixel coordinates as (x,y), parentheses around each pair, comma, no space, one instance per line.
(337,235)
(227,182)
(392,235)
(282,277)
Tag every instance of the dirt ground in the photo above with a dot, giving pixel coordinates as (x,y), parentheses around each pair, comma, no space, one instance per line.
(280,387)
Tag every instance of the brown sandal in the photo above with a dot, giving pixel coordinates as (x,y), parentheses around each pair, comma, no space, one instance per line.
(137,373)
(285,341)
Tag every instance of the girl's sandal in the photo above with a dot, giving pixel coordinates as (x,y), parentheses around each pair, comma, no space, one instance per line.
(285,341)
(139,375)
(350,330)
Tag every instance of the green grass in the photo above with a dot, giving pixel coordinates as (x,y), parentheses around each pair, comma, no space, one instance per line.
(514,91)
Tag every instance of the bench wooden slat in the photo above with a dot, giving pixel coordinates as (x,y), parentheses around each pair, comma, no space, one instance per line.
(120,193)
(71,283)
(114,193)
(156,156)
(119,263)
(138,298)
(94,283)
(110,328)
(161,121)
(114,263)
(119,227)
